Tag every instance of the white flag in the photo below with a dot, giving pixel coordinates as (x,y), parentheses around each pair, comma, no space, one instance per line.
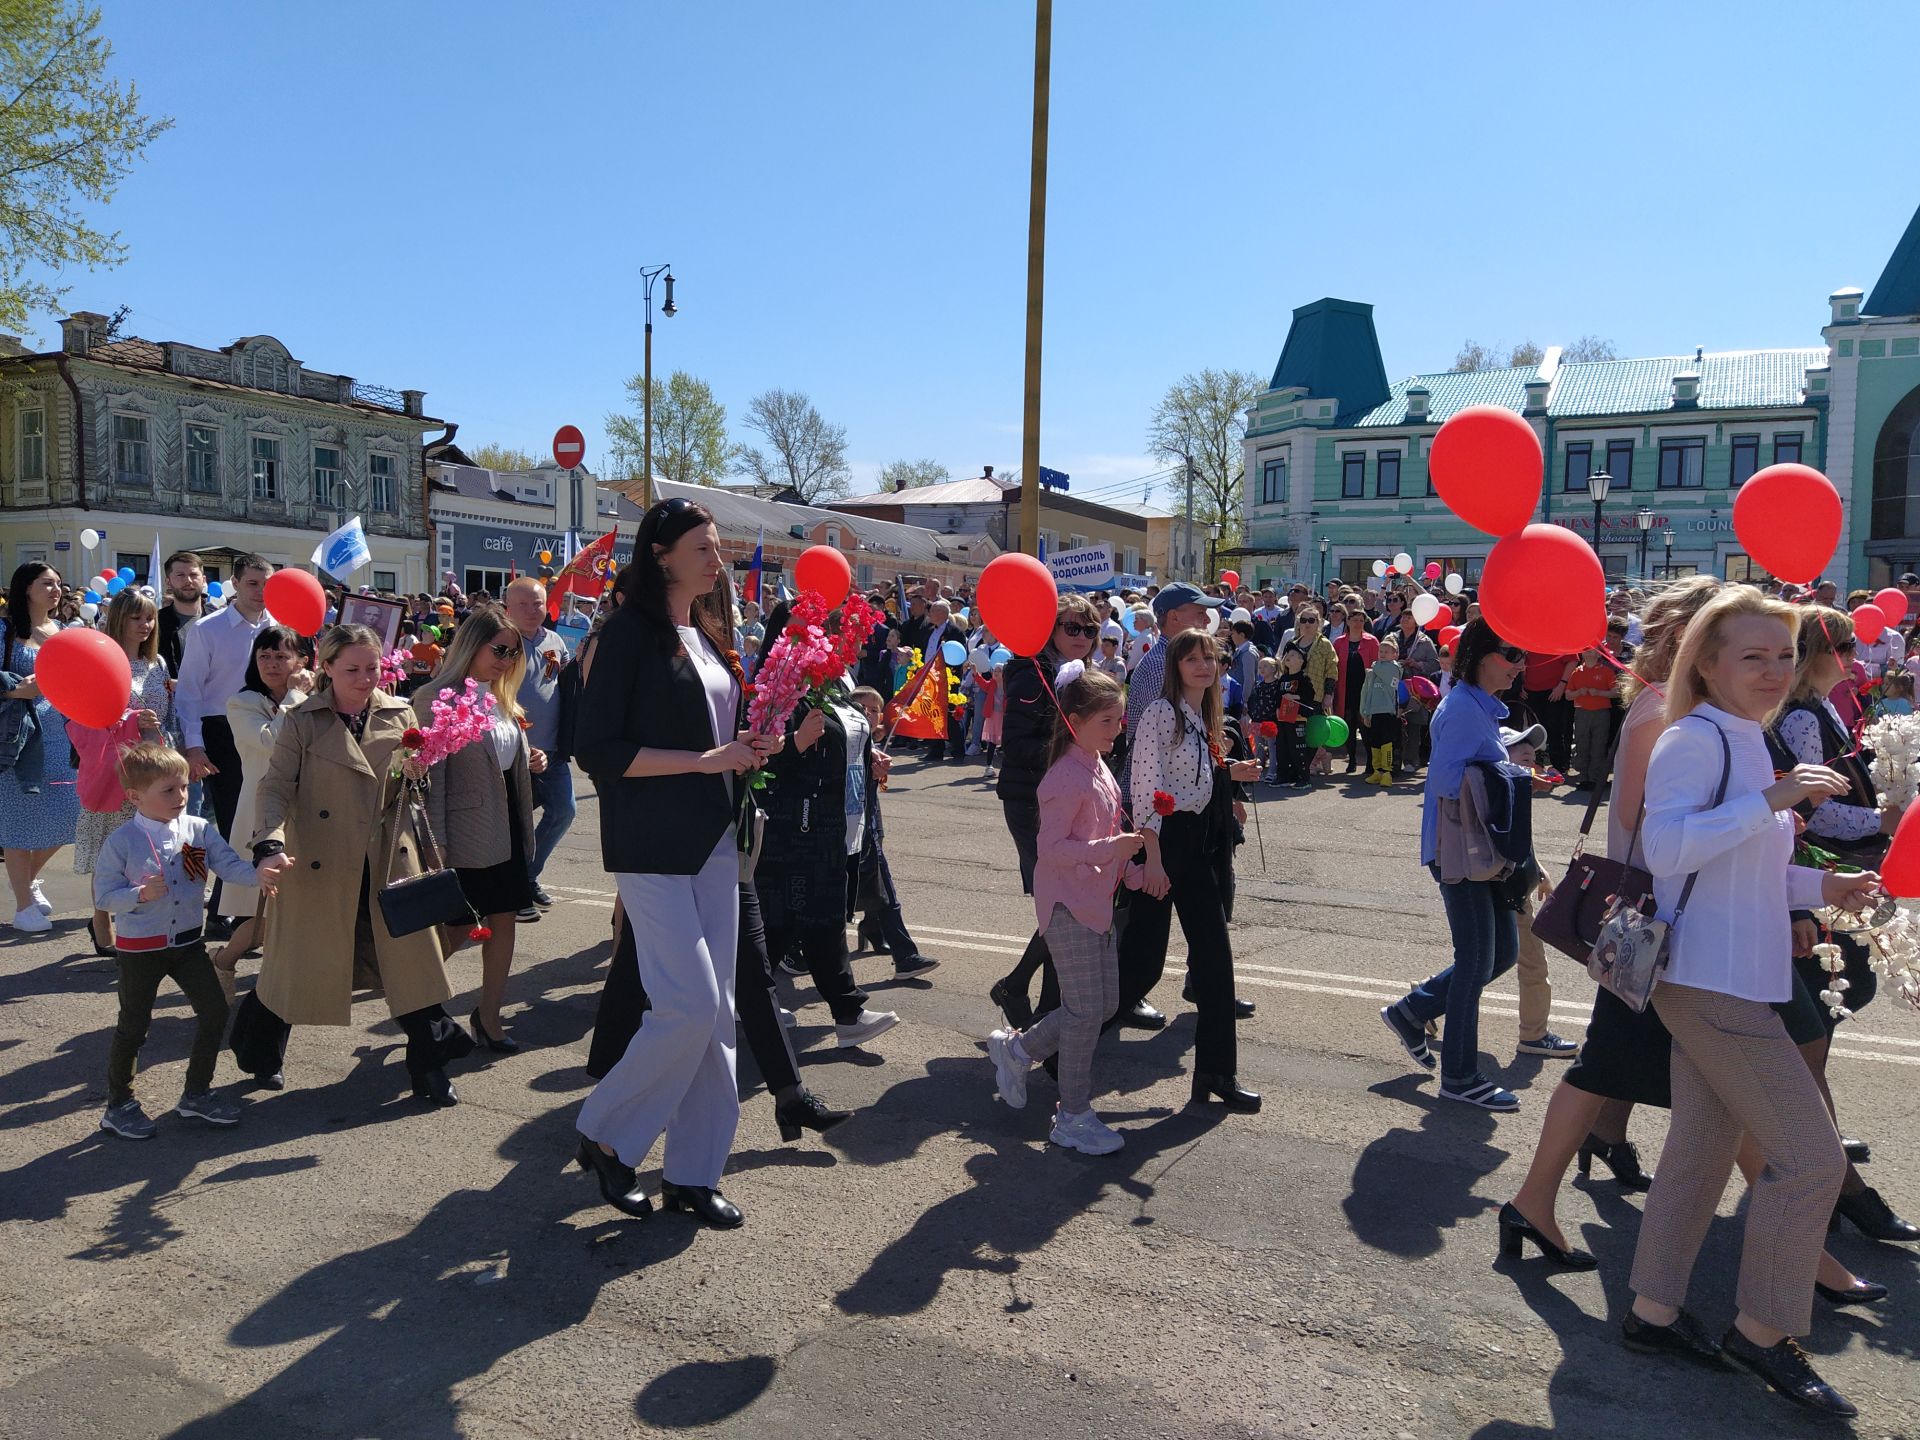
(154,578)
(344,551)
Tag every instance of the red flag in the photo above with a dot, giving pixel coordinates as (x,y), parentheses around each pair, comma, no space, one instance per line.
(586,574)
(923,715)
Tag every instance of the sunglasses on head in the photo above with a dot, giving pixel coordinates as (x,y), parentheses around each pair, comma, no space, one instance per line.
(1076,629)
(504,652)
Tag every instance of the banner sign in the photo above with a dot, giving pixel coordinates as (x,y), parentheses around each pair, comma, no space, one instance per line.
(1090,567)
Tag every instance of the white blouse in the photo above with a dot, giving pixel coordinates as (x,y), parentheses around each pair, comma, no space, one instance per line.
(1736,937)
(1183,769)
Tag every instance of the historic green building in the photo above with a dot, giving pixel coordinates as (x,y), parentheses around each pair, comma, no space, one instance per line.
(1336,455)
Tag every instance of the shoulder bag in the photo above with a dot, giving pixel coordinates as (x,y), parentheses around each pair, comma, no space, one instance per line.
(1570,919)
(1632,949)
(433,897)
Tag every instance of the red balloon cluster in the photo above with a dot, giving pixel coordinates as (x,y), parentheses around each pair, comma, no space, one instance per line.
(85,676)
(824,570)
(1018,601)
(1788,517)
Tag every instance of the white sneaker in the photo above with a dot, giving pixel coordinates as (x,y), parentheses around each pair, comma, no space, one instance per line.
(864,1028)
(1009,1070)
(33,921)
(40,901)
(1085,1132)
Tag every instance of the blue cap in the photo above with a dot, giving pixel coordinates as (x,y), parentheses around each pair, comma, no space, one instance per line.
(1172,597)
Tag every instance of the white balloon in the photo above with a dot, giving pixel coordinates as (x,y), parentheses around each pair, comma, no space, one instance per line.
(1213,620)
(89,539)
(1425,607)
(1241,616)
(1379,567)
(1456,582)
(88,610)
(1403,562)
(1068,673)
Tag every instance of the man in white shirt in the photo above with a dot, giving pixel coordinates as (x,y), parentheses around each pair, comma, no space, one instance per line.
(213,666)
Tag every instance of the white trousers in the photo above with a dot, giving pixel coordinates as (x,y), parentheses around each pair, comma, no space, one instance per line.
(677,1074)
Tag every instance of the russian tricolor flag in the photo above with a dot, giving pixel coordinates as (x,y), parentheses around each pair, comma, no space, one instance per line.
(751,591)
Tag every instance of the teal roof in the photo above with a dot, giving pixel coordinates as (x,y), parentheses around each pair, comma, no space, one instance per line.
(1450,391)
(1898,291)
(1331,350)
(1729,380)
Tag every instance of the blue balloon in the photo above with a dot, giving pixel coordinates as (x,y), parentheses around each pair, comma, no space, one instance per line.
(954,653)
(1002,655)
(126,573)
(213,589)
(1128,621)
(116,585)
(93,597)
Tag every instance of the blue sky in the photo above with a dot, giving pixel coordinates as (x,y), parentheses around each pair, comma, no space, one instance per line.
(456,197)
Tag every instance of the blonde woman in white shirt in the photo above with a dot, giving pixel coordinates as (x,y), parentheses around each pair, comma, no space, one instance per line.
(1730,960)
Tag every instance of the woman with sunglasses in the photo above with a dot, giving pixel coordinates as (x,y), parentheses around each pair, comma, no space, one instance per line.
(480,802)
(659,732)
(1026,731)
(1486,942)
(1321,665)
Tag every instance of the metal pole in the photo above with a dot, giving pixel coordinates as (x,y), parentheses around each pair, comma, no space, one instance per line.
(1187,557)
(646,409)
(1036,276)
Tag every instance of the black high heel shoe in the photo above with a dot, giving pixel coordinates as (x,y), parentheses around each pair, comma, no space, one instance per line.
(1226,1090)
(1516,1228)
(1620,1157)
(708,1204)
(868,938)
(806,1111)
(1864,1292)
(105,951)
(1014,1005)
(504,1045)
(435,1088)
(1873,1218)
(619,1186)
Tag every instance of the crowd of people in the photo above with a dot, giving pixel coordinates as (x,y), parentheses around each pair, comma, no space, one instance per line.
(1124,753)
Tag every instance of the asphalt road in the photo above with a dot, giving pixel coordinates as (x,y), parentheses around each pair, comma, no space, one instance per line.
(345,1263)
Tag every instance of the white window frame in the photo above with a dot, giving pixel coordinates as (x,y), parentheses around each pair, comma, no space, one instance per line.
(187,452)
(29,487)
(334,496)
(374,507)
(1076,542)
(277,489)
(1130,560)
(114,417)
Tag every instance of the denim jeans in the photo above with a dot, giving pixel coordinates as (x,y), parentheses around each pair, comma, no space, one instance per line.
(1486,942)
(553,795)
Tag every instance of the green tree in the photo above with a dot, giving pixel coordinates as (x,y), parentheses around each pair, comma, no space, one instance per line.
(1476,356)
(69,134)
(1589,347)
(689,431)
(501,457)
(906,474)
(1199,424)
(804,452)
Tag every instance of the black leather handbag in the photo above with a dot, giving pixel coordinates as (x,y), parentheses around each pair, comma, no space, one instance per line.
(433,897)
(1571,917)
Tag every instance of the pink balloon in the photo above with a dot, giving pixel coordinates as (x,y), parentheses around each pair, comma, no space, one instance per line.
(1433,570)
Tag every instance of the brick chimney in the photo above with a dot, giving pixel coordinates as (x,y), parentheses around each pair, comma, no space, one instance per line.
(81,331)
(986,472)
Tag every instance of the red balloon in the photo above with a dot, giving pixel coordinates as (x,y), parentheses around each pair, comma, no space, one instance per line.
(295,599)
(1788,518)
(1449,634)
(823,570)
(85,676)
(1230,578)
(1869,622)
(1543,590)
(1486,464)
(1433,569)
(1018,601)
(1442,618)
(1892,603)
(1900,871)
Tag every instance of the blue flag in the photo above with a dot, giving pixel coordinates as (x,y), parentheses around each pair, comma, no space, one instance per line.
(344,551)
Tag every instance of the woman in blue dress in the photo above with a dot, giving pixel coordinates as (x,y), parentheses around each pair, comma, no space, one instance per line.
(39,805)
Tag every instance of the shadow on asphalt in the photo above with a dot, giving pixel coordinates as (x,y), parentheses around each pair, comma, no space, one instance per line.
(1441,1161)
(704,1392)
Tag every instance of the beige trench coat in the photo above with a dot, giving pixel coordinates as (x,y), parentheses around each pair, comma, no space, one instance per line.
(330,800)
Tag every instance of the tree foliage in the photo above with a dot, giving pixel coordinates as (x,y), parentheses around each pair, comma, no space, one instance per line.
(1476,356)
(69,134)
(1589,347)
(1203,418)
(906,474)
(804,452)
(689,430)
(501,457)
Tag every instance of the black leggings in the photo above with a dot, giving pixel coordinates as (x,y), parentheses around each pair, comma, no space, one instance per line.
(1190,854)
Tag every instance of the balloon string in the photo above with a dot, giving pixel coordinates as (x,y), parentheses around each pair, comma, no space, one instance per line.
(1859,728)
(1619,664)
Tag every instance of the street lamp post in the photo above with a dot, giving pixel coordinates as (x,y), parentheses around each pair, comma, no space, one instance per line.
(1643,517)
(1597,486)
(646,404)
(1666,539)
(1325,545)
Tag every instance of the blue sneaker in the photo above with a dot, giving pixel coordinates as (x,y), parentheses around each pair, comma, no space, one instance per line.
(1552,1046)
(1411,1035)
(1480,1092)
(127,1120)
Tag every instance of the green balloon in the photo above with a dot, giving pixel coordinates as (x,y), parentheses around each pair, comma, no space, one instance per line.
(1326,732)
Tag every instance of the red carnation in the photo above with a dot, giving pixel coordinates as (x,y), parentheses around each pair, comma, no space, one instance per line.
(413,739)
(1268,729)
(1162,803)
(480,932)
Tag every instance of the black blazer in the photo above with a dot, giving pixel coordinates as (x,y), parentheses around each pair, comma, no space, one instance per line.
(640,697)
